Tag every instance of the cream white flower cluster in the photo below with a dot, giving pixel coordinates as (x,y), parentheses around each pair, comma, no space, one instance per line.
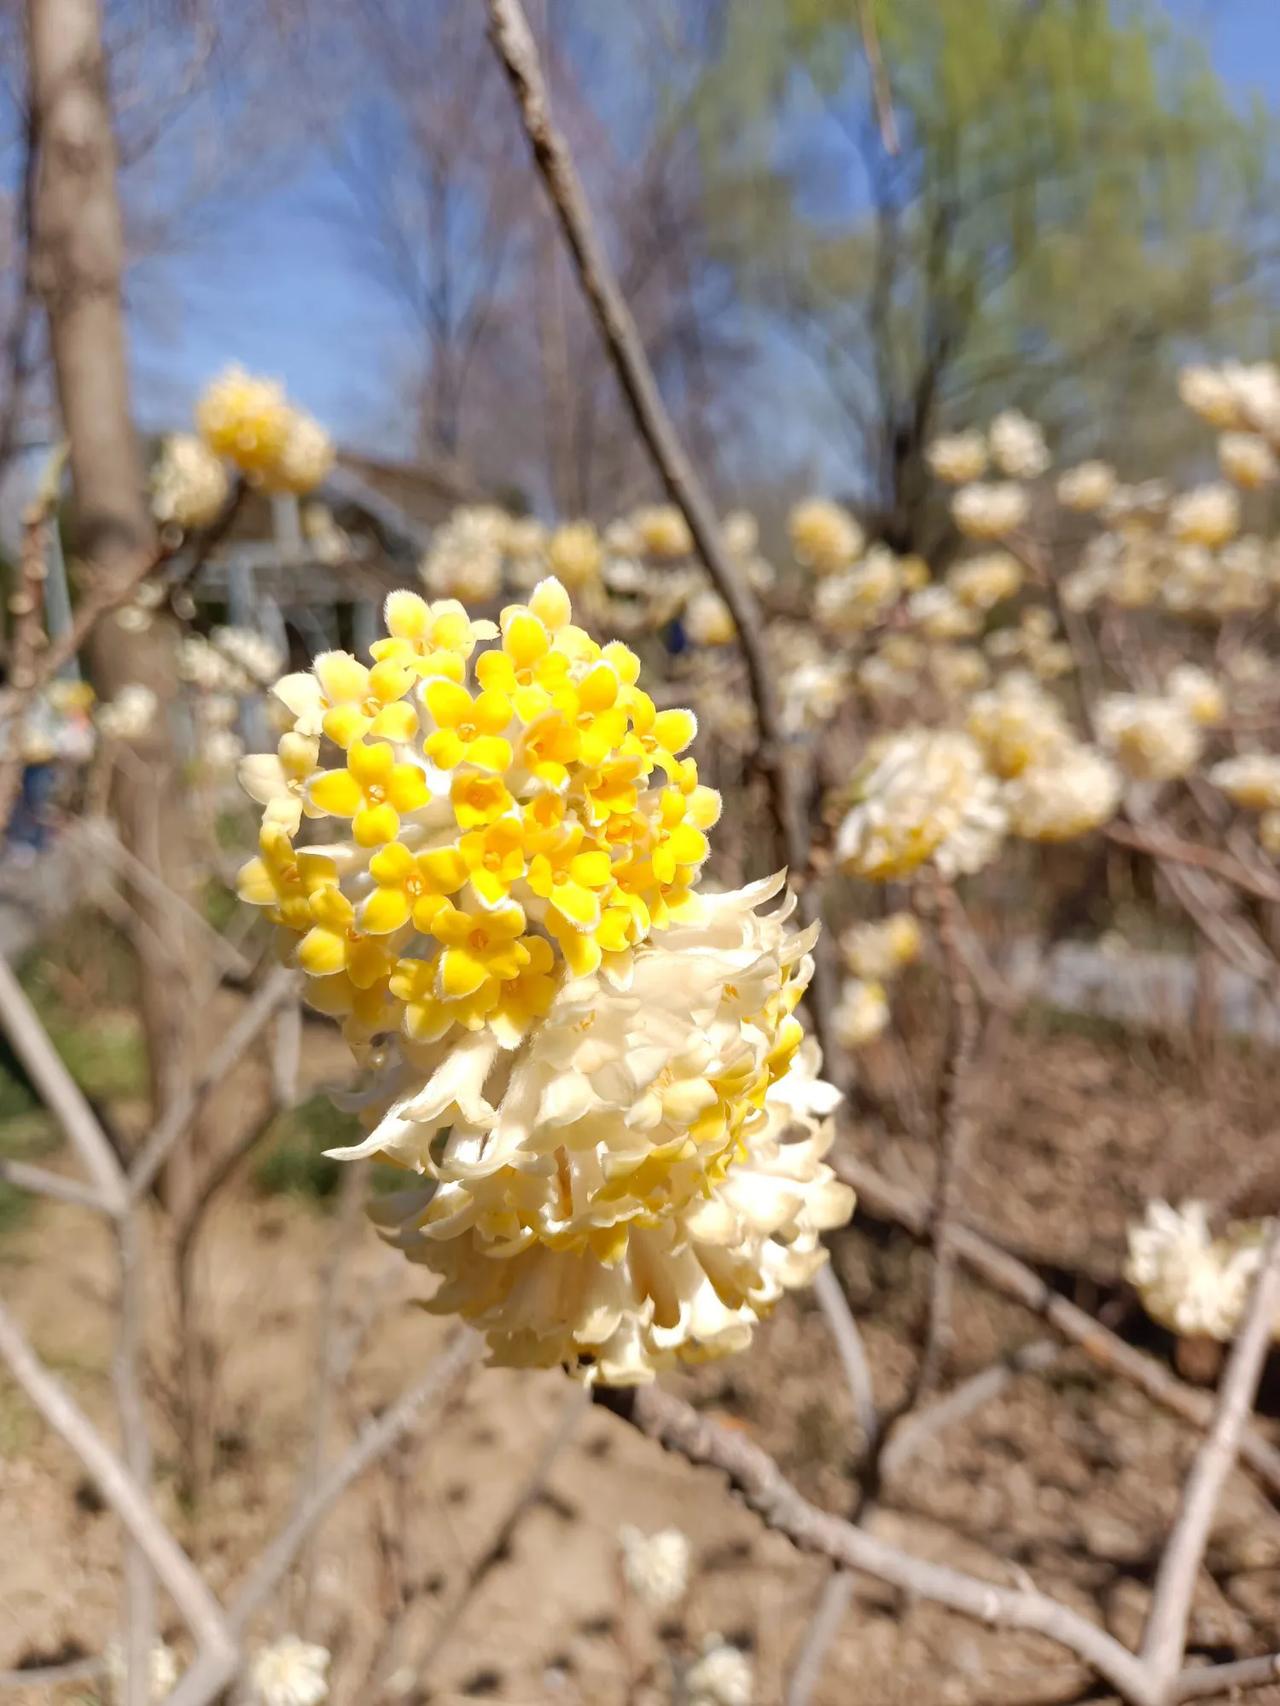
(655,1566)
(922,796)
(874,953)
(250,423)
(290,1672)
(189,484)
(589,1069)
(1189,1281)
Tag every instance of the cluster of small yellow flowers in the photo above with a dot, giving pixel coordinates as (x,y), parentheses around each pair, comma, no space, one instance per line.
(1251,780)
(874,953)
(588,1062)
(990,509)
(1206,515)
(959,458)
(1017,444)
(1063,797)
(922,796)
(859,597)
(1017,725)
(1086,488)
(1153,738)
(1247,460)
(575,555)
(1034,641)
(824,536)
(251,423)
(465,558)
(1194,1284)
(189,484)
(614,1195)
(1234,397)
(661,531)
(130,714)
(983,581)
(708,620)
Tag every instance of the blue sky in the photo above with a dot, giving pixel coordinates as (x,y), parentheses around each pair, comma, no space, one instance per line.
(279,285)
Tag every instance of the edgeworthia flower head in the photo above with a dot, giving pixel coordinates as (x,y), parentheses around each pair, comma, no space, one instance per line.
(290,1672)
(588,1068)
(655,1566)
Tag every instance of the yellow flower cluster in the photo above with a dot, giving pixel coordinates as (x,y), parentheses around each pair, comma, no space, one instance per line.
(531,784)
(250,422)
(585,1067)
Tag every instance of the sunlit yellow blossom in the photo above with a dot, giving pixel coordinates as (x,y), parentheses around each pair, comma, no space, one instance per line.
(373,791)
(1208,515)
(279,782)
(1246,459)
(923,795)
(958,459)
(990,510)
(1086,487)
(824,536)
(662,531)
(364,701)
(575,555)
(284,879)
(335,943)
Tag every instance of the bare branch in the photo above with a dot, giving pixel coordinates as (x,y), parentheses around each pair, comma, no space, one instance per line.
(177,1117)
(914,1433)
(1164,1639)
(955,1134)
(205,1679)
(756,1479)
(515,46)
(139,1584)
(881,91)
(851,1351)
(61,1093)
(172,1566)
(56,1185)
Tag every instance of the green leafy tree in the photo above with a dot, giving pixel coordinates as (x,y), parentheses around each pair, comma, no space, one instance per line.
(1074,203)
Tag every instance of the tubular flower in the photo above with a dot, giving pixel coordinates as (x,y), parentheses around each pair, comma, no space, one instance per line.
(921,796)
(1063,796)
(615,1193)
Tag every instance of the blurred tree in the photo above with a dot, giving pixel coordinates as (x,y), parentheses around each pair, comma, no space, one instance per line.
(1074,199)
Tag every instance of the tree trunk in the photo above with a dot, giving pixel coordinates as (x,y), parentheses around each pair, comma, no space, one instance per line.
(77,265)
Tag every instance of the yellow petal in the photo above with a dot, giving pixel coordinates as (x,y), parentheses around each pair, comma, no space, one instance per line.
(345,724)
(674,730)
(392,864)
(370,762)
(524,638)
(489,752)
(444,868)
(460,974)
(549,602)
(375,824)
(448,703)
(396,722)
(444,749)
(407,615)
(407,788)
(321,953)
(336,791)
(384,911)
(341,676)
(581,906)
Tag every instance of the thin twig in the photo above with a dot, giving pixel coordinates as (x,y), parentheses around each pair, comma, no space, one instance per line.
(756,1479)
(881,91)
(61,1094)
(173,1568)
(832,1607)
(53,1676)
(514,43)
(916,1431)
(1168,848)
(26,605)
(206,1678)
(177,1117)
(1203,1681)
(351,1199)
(1164,1639)
(139,1584)
(43,1183)
(851,1351)
(955,1135)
